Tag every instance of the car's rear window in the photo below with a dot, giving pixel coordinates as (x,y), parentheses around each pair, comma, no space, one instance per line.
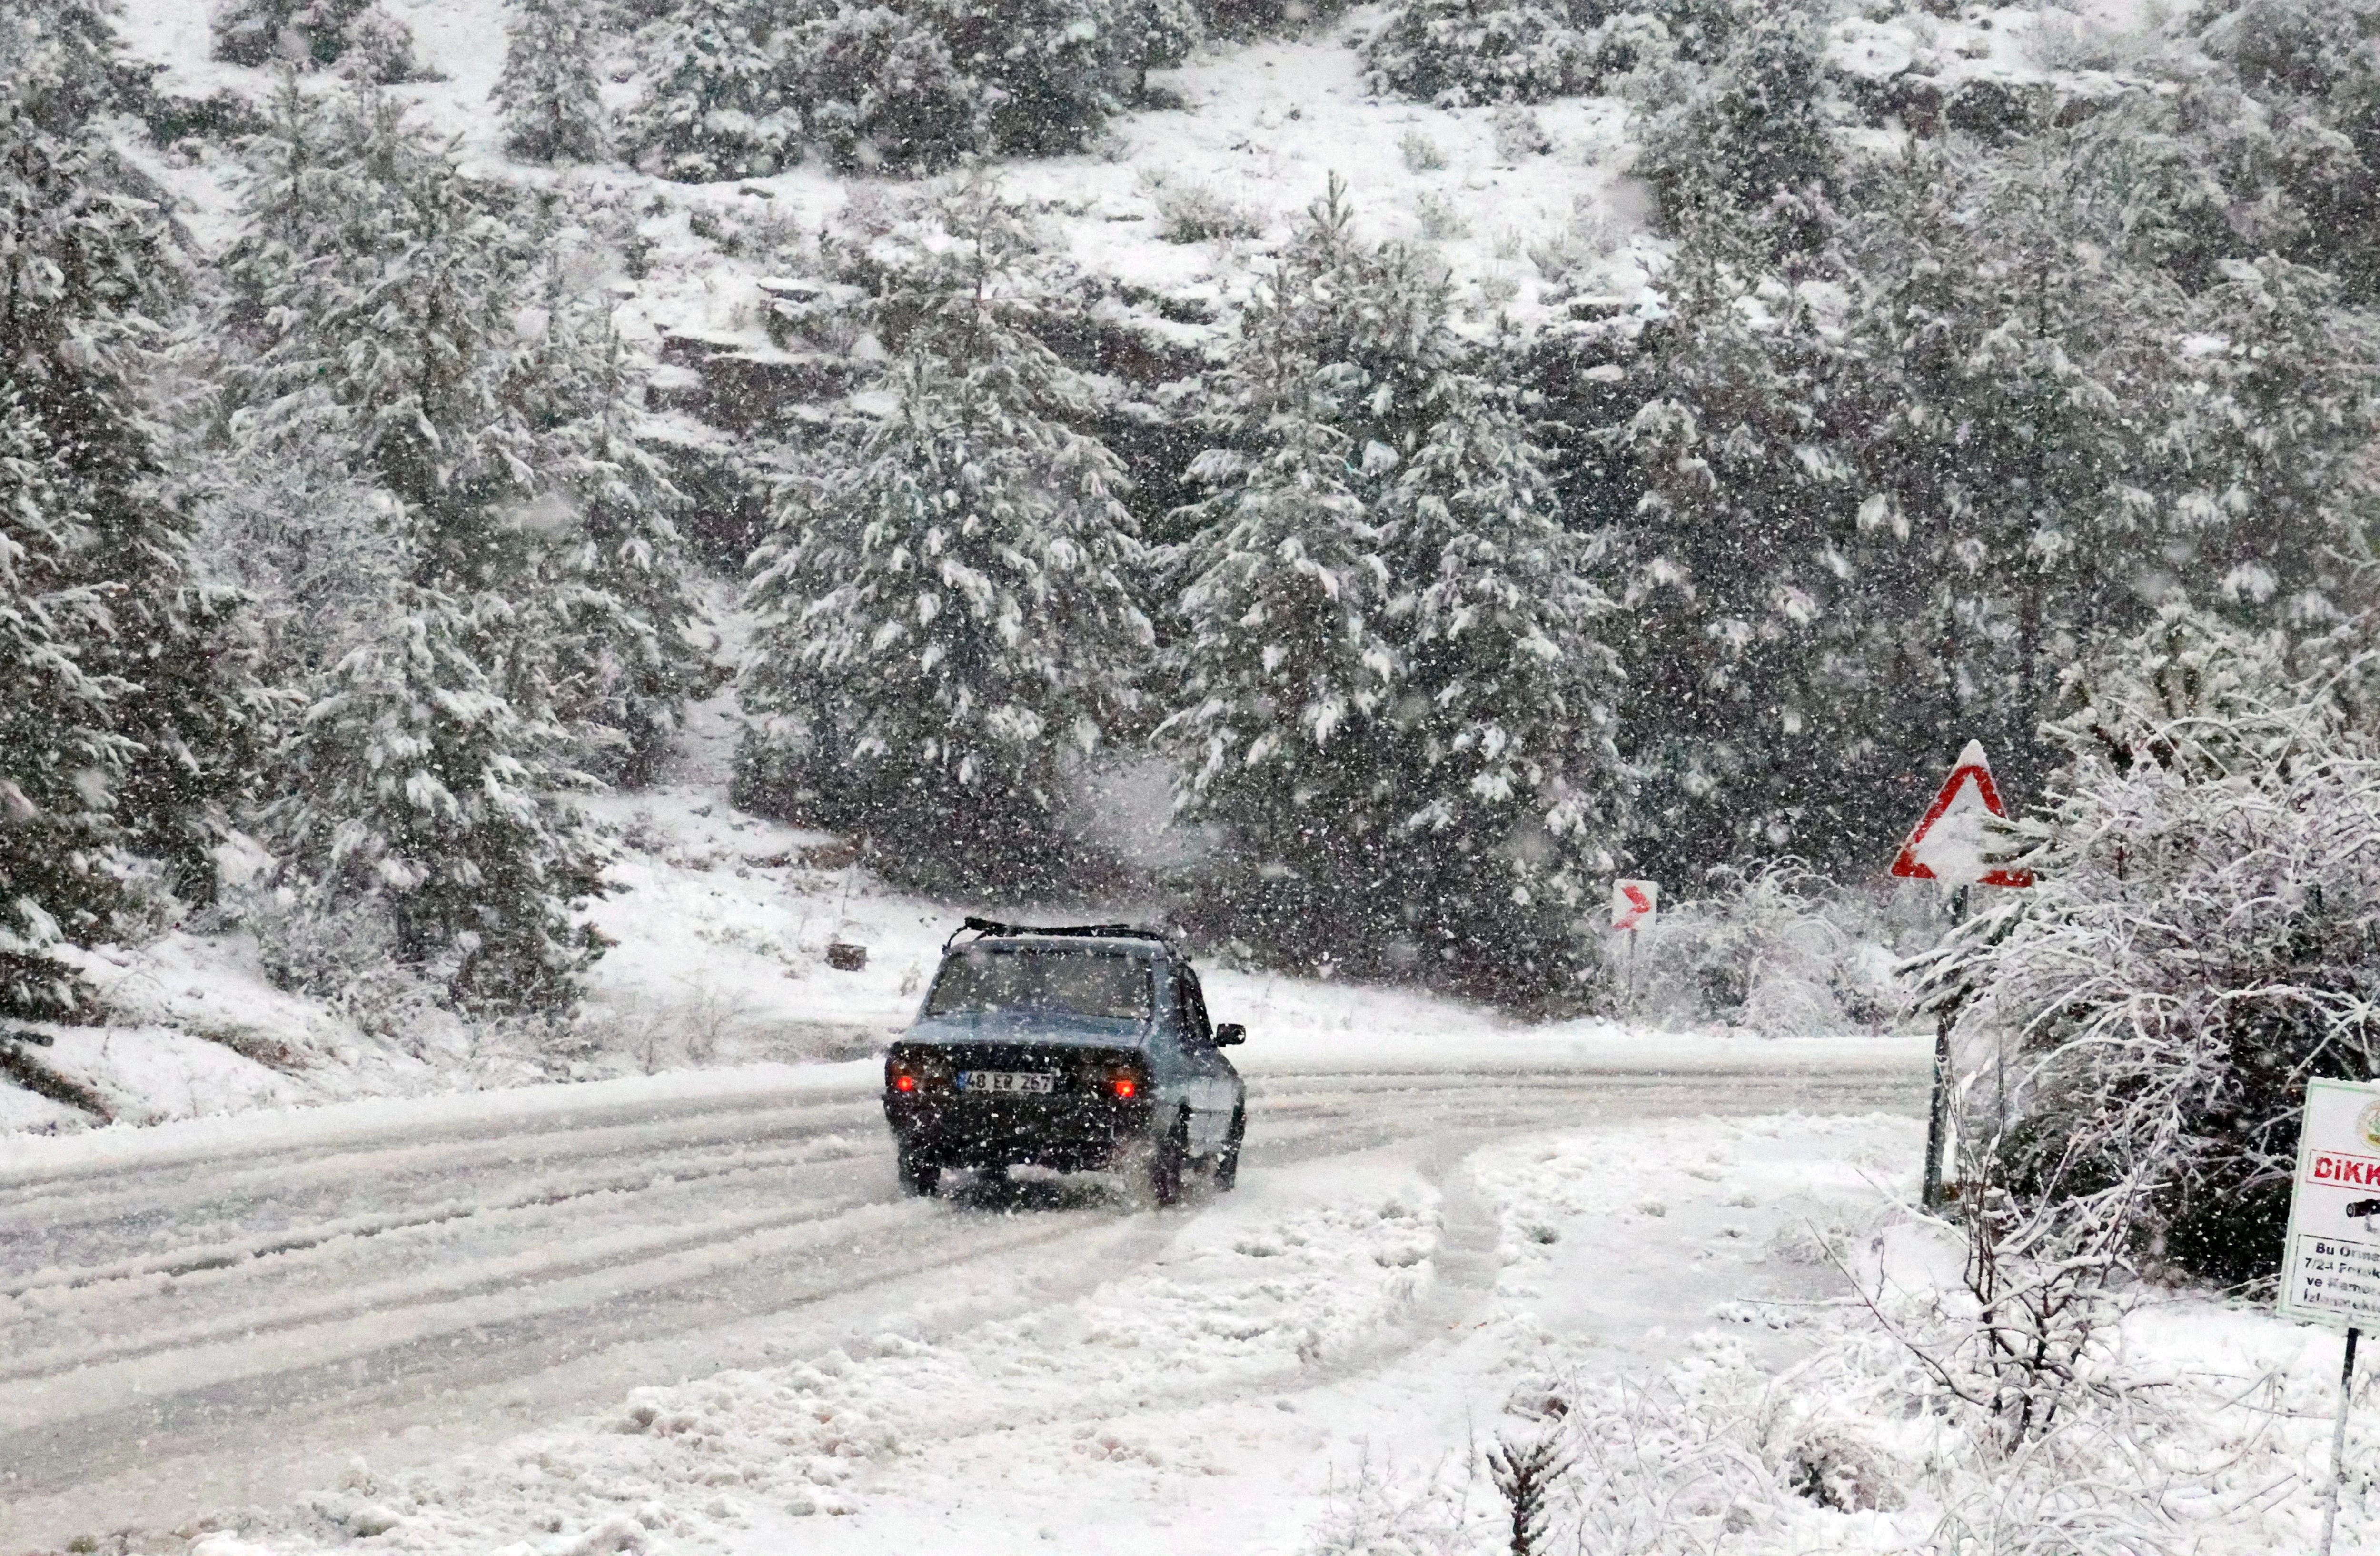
(1068,982)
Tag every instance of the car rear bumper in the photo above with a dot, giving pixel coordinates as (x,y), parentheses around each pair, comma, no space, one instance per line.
(1069,1133)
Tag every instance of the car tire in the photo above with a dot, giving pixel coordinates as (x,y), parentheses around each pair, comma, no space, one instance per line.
(917,1176)
(1227,1165)
(1168,1161)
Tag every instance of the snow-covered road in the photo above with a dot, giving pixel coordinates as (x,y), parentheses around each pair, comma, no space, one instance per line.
(223,1313)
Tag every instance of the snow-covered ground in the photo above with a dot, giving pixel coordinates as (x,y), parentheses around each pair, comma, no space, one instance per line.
(213,1319)
(690,1314)
(1264,129)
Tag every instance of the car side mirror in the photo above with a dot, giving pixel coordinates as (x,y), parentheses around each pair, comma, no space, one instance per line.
(1230,1032)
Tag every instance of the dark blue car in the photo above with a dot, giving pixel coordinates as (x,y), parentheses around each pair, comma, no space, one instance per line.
(1081,1048)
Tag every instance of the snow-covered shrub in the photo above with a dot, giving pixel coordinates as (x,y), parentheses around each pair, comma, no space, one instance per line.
(1457,52)
(2199,943)
(1158,35)
(1696,31)
(1420,154)
(1246,18)
(2310,47)
(357,36)
(1519,135)
(909,86)
(878,89)
(1776,948)
(1862,1446)
(1190,211)
(309,945)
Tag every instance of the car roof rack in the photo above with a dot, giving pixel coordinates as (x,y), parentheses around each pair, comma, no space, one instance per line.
(984,928)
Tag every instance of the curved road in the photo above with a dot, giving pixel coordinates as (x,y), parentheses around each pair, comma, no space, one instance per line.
(210,1326)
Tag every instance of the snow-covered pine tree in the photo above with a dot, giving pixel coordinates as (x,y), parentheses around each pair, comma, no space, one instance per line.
(2000,389)
(1372,319)
(628,642)
(2266,433)
(552,112)
(59,754)
(376,292)
(2313,69)
(82,272)
(1280,676)
(946,618)
(1846,527)
(717,105)
(1387,686)
(1723,517)
(416,786)
(1503,716)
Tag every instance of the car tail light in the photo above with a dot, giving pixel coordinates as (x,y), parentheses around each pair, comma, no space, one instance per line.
(1123,1086)
(904,1081)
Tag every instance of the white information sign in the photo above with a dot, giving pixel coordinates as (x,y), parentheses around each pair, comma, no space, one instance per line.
(2330,1270)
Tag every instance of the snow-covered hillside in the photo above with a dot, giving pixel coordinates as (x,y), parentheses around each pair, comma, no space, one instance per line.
(1647,446)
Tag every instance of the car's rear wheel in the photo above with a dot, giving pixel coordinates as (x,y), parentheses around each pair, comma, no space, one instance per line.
(1227,1165)
(1167,1162)
(919,1176)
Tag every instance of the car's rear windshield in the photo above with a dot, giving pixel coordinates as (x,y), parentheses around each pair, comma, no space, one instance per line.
(1062,982)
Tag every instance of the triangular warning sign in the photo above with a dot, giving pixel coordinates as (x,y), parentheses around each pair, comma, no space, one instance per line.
(1948,843)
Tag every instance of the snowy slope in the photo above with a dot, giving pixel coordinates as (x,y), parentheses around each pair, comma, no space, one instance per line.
(1265,128)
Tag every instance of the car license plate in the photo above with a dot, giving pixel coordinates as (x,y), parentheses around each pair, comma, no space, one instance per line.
(997,1081)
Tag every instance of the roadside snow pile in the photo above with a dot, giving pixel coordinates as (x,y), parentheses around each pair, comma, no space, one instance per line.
(2188,1422)
(2201,1428)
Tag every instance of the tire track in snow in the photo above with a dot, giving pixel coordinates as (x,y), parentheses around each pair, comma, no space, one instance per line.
(199,1257)
(45,1224)
(256,1414)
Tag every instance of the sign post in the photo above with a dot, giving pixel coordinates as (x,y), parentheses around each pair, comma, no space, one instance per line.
(1949,846)
(2330,1265)
(1635,905)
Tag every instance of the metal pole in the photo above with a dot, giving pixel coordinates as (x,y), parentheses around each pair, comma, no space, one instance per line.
(2338,1445)
(1937,1114)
